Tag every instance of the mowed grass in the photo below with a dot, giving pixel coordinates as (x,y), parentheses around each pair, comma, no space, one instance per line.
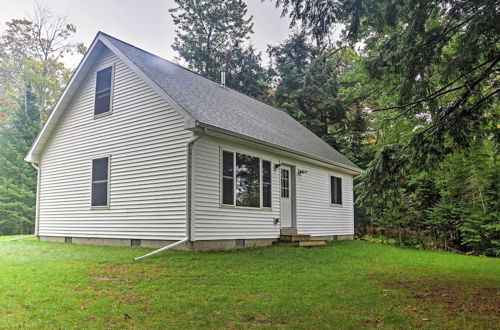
(9,237)
(349,284)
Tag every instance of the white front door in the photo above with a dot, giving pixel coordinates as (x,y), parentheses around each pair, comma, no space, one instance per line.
(286,197)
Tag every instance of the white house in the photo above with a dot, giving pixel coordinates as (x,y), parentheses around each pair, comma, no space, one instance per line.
(141,151)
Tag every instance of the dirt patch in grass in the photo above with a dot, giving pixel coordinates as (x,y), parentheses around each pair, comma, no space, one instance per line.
(120,281)
(456,298)
(264,321)
(126,273)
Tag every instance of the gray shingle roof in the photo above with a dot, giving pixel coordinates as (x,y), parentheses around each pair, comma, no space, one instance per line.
(209,103)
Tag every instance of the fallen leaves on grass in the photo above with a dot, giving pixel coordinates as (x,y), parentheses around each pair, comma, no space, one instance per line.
(455,297)
(264,320)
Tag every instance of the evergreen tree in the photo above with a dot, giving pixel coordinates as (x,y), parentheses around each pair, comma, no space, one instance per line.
(17,177)
(437,59)
(211,36)
(429,80)
(314,86)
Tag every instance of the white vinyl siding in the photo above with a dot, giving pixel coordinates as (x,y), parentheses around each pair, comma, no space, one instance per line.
(212,220)
(315,215)
(146,140)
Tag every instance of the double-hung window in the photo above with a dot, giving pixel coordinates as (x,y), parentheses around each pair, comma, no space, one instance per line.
(246,180)
(335,190)
(266,183)
(103,91)
(100,182)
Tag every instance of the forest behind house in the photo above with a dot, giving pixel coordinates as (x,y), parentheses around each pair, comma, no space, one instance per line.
(406,89)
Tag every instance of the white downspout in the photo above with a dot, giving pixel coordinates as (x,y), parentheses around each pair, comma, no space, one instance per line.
(188,204)
(37,202)
(162,249)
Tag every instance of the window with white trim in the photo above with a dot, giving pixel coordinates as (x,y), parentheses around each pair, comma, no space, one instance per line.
(100,181)
(103,85)
(228,178)
(335,190)
(266,183)
(246,180)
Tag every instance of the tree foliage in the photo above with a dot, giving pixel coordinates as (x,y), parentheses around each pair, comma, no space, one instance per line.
(32,77)
(31,50)
(429,71)
(211,37)
(18,178)
(439,59)
(315,86)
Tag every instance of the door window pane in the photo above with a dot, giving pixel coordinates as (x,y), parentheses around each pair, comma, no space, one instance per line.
(285,183)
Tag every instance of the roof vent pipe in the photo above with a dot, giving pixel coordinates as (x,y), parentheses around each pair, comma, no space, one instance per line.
(223,78)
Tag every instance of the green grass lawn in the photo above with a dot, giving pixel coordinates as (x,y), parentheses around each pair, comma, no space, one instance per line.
(350,284)
(7,237)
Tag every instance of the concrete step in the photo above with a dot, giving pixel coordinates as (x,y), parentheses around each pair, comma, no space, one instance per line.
(312,243)
(281,243)
(295,238)
(301,243)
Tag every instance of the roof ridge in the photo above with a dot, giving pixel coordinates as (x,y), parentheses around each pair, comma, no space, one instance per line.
(228,106)
(196,73)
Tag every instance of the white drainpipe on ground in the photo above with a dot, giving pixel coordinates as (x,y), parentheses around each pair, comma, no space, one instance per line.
(162,249)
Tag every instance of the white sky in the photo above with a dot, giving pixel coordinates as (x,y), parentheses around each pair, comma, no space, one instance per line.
(144,23)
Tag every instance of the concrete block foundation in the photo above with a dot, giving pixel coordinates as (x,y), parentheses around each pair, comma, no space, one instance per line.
(211,245)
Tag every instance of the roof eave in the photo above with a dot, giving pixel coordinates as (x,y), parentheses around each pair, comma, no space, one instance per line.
(34,152)
(351,170)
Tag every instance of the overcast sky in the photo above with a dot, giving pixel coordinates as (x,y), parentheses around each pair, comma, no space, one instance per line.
(143,23)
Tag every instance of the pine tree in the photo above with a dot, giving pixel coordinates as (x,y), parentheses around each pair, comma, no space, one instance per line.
(18,178)
(211,36)
(437,59)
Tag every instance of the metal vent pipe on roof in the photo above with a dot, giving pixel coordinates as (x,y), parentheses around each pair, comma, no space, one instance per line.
(223,78)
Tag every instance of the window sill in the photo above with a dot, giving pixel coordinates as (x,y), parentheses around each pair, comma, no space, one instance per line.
(103,207)
(234,207)
(337,205)
(104,114)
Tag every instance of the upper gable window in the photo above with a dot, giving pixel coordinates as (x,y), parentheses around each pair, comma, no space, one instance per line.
(103,91)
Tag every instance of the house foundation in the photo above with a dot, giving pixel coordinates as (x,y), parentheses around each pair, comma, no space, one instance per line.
(209,245)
